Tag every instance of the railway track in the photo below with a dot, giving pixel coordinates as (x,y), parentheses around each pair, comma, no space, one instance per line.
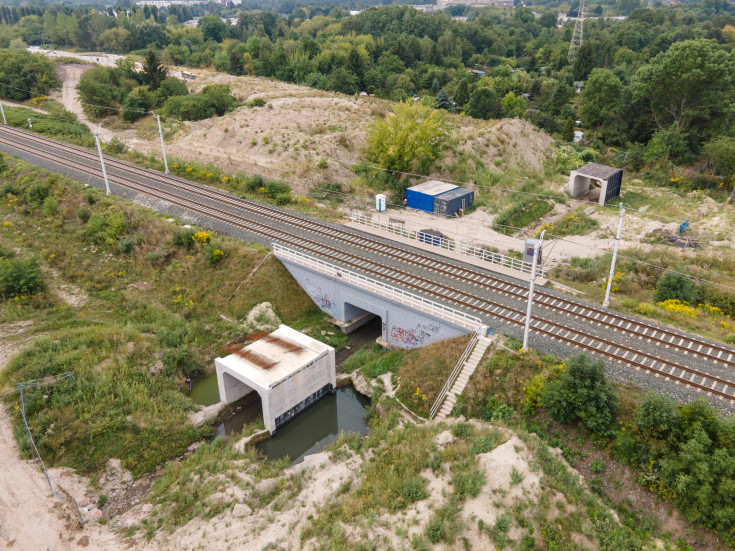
(179,192)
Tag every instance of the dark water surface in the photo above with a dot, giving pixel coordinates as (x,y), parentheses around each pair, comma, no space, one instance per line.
(310,431)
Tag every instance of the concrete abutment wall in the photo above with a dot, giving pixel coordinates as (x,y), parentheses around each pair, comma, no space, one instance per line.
(402,326)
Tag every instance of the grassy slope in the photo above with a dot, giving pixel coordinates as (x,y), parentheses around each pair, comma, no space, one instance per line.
(114,406)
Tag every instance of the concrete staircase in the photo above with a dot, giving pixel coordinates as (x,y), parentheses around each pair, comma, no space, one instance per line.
(468,368)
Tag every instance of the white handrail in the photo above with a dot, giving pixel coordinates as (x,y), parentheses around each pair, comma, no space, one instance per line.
(389,292)
(446,243)
(453,377)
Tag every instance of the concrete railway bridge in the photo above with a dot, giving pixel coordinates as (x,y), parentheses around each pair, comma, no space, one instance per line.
(421,296)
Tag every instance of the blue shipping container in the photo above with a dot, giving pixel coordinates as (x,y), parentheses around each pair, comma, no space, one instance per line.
(449,203)
(421,196)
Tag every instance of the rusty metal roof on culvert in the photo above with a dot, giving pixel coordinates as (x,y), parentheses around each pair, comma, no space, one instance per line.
(597,171)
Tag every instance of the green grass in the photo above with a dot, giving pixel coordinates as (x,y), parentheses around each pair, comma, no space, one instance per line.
(521,214)
(57,124)
(391,480)
(576,223)
(374,361)
(155,302)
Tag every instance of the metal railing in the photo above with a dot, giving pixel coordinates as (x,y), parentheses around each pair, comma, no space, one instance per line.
(453,377)
(445,243)
(384,290)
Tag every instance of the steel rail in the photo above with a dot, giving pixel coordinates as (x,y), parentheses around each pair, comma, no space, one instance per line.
(208,211)
(594,315)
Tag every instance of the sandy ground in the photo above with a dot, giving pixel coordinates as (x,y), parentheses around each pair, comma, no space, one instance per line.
(70,75)
(476,229)
(299,130)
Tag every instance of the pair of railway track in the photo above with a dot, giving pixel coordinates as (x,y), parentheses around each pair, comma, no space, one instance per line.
(358,251)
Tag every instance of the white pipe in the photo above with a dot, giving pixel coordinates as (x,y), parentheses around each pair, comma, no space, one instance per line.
(536,251)
(614,258)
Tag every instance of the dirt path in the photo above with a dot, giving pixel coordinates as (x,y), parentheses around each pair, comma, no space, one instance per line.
(31,518)
(7,103)
(69,75)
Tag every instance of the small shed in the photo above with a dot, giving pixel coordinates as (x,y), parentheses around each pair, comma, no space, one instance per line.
(608,178)
(289,370)
(421,196)
(449,203)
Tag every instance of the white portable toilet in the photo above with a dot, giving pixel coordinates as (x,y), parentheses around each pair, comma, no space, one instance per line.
(381,202)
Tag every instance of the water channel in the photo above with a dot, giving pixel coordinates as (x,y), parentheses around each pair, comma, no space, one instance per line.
(310,431)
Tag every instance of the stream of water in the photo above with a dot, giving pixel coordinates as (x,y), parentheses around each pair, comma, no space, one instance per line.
(307,433)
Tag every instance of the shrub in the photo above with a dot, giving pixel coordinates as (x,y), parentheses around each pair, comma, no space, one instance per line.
(257,102)
(37,194)
(83,213)
(274,188)
(282,199)
(521,214)
(214,254)
(201,237)
(184,237)
(414,489)
(674,285)
(116,146)
(194,107)
(730,339)
(19,277)
(582,394)
(254,183)
(91,199)
(126,245)
(50,206)
(3,164)
(106,228)
(502,413)
(219,97)
(322,163)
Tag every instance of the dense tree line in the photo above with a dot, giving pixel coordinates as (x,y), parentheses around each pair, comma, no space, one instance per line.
(123,91)
(659,82)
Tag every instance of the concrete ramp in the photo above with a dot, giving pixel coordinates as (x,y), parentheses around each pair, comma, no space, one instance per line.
(289,370)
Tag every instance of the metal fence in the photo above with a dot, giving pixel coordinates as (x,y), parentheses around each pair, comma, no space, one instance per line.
(397,227)
(394,294)
(59,491)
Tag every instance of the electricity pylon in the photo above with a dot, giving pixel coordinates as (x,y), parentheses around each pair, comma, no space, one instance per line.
(576,42)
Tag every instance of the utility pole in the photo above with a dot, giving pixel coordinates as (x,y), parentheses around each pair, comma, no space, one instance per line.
(102,162)
(5,123)
(615,256)
(576,42)
(163,147)
(536,251)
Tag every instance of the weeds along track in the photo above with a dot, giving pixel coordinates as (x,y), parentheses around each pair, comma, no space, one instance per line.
(584,326)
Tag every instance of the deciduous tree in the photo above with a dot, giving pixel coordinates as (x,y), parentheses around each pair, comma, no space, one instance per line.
(410,139)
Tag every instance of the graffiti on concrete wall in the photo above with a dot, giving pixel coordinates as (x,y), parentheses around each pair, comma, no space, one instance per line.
(418,336)
(322,299)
